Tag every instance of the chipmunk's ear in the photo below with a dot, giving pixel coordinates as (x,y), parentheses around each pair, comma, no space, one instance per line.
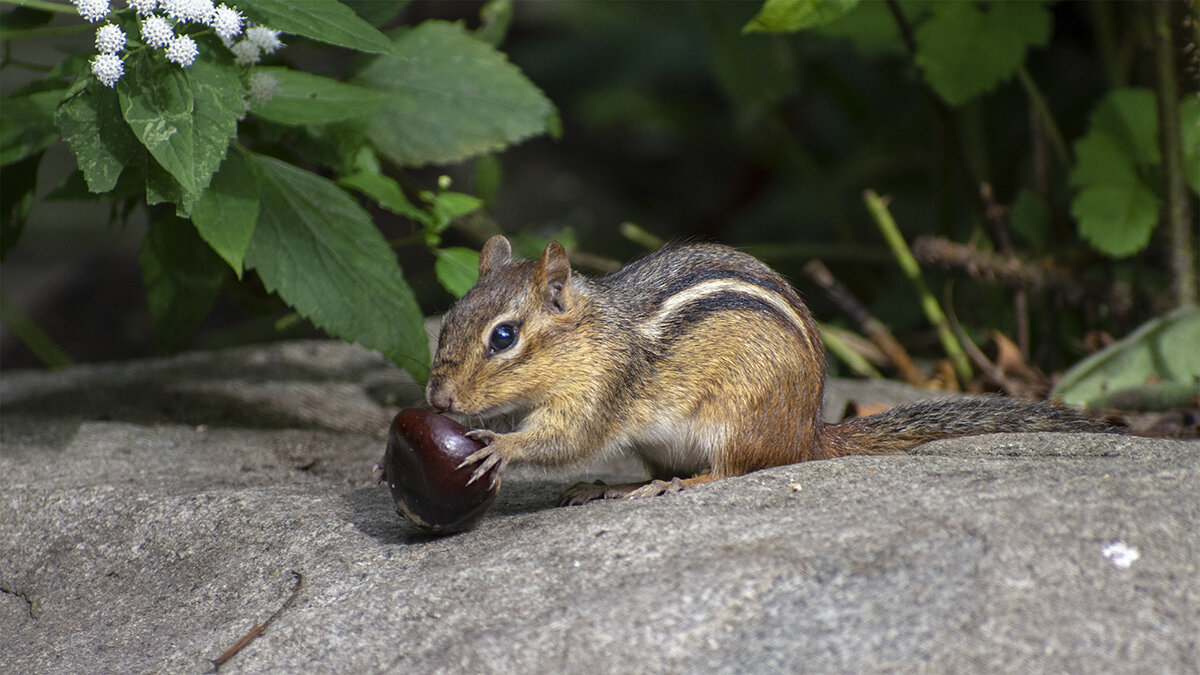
(496,253)
(552,276)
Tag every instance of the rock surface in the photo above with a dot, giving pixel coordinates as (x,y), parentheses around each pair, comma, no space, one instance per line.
(153,513)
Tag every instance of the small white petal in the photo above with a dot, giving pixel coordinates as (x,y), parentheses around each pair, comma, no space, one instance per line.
(108,68)
(182,50)
(227,22)
(144,7)
(245,53)
(266,39)
(263,87)
(92,10)
(110,39)
(157,31)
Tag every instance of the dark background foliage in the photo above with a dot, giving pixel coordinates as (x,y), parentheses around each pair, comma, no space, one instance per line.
(675,120)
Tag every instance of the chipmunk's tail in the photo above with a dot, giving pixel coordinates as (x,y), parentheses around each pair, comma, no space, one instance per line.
(908,426)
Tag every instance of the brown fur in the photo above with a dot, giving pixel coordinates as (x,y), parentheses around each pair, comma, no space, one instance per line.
(699,359)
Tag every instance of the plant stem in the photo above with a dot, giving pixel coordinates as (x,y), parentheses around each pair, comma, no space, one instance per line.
(28,333)
(933,311)
(1049,125)
(43,5)
(1179,219)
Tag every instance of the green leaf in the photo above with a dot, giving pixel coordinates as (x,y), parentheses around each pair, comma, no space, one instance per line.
(1189,118)
(182,278)
(966,50)
(27,125)
(452,97)
(184,117)
(316,247)
(457,269)
(103,144)
(376,12)
(1030,218)
(327,21)
(494,19)
(1161,350)
(386,192)
(1117,219)
(227,211)
(786,16)
(1130,118)
(1115,208)
(450,205)
(303,98)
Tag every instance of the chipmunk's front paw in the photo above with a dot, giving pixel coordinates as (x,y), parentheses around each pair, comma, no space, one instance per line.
(487,457)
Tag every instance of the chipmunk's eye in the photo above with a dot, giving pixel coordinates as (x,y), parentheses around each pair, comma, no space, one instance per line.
(503,337)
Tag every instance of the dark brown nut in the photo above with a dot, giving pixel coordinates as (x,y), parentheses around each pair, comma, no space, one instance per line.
(421,466)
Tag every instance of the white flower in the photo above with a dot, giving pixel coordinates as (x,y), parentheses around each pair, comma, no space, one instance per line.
(92,11)
(227,22)
(198,11)
(157,31)
(108,68)
(143,7)
(110,39)
(263,87)
(182,50)
(264,38)
(245,52)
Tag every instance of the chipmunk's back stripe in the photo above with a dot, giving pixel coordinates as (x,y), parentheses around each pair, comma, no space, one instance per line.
(689,305)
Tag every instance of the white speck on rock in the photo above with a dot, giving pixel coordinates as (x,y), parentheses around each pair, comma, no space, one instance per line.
(1120,554)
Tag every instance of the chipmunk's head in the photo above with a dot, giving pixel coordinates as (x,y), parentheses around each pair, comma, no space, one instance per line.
(501,346)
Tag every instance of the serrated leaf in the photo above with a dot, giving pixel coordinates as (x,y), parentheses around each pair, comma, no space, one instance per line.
(227,211)
(1100,160)
(27,125)
(1162,350)
(386,192)
(303,98)
(457,269)
(1117,218)
(966,50)
(452,97)
(780,16)
(1114,207)
(327,21)
(182,277)
(316,247)
(92,125)
(184,117)
(1130,118)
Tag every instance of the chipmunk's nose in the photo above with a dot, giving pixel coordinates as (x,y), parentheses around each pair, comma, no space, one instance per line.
(441,398)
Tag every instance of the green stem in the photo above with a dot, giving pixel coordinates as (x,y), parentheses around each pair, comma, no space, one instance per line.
(1182,254)
(839,348)
(43,5)
(1049,124)
(908,264)
(28,333)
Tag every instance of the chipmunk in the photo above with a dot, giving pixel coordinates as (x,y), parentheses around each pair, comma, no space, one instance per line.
(698,358)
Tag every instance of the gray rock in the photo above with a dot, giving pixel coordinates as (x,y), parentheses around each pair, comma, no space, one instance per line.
(152,513)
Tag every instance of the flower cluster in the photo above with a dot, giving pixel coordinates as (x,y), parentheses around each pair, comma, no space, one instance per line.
(158,20)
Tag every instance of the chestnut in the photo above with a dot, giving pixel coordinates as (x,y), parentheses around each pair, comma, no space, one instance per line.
(421,467)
